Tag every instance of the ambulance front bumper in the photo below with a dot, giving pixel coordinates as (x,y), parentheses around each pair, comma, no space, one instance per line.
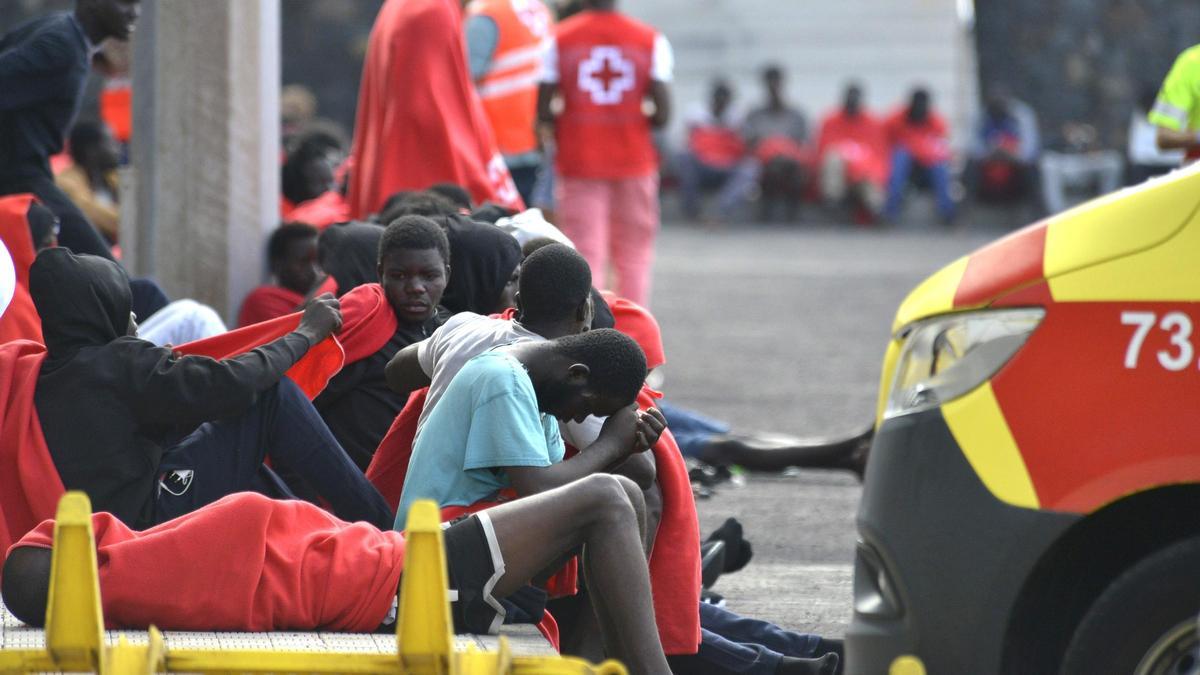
(940,560)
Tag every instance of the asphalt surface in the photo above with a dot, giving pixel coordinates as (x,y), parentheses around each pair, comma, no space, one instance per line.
(782,329)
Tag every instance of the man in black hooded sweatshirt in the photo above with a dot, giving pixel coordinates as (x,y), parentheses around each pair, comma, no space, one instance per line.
(150,435)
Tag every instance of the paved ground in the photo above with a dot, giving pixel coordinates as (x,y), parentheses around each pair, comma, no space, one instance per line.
(783,329)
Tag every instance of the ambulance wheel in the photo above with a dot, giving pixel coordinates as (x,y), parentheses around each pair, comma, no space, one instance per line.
(1145,622)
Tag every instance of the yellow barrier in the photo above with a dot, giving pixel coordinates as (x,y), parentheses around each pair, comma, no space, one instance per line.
(424,641)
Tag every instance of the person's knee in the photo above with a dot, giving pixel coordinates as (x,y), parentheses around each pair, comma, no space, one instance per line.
(26,584)
(609,496)
(634,493)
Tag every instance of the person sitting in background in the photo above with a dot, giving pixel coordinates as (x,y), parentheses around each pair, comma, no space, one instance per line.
(44,64)
(308,188)
(297,108)
(715,157)
(91,181)
(1004,156)
(413,270)
(292,259)
(917,135)
(149,434)
(777,134)
(852,153)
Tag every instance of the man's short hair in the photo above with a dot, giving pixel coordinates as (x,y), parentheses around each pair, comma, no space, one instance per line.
(616,364)
(772,71)
(284,236)
(454,192)
(426,204)
(534,244)
(555,280)
(414,233)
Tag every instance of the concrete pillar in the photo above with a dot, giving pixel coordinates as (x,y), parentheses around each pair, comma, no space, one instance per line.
(205,146)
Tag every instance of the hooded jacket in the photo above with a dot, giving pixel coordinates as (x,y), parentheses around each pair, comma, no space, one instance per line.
(109,403)
(482,260)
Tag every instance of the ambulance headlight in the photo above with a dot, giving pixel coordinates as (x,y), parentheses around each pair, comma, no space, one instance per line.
(945,357)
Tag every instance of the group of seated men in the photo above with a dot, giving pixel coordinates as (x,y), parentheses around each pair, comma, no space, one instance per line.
(855,160)
(458,372)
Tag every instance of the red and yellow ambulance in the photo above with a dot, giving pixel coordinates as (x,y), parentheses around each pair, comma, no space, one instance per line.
(1032,503)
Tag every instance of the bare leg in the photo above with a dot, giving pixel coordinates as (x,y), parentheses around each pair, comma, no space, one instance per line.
(602,513)
(581,633)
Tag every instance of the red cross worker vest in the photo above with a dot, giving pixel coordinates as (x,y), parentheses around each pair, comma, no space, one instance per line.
(509,88)
(604,61)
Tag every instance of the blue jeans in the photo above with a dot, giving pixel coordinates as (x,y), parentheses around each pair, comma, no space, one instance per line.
(733,184)
(227,456)
(692,431)
(939,182)
(730,643)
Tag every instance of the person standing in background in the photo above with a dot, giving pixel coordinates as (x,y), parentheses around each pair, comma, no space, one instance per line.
(44,64)
(419,120)
(505,41)
(605,66)
(1176,112)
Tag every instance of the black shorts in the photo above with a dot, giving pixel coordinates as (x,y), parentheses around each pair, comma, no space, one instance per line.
(474,564)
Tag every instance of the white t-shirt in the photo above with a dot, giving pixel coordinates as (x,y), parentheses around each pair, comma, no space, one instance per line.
(467,335)
(662,64)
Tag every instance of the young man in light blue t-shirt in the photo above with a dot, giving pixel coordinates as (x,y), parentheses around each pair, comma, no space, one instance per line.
(496,425)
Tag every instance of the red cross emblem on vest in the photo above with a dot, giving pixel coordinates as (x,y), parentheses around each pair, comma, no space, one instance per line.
(606,75)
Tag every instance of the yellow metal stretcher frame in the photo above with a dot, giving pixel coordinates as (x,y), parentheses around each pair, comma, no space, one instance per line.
(424,640)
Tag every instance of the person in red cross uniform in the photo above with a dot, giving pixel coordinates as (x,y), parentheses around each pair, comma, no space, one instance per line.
(604,66)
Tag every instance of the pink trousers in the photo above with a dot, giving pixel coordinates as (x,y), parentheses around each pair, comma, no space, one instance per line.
(613,220)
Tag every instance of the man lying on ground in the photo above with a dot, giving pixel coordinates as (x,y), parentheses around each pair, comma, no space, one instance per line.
(298,568)
(150,435)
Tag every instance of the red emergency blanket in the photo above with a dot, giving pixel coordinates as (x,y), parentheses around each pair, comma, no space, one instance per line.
(29,483)
(419,119)
(244,563)
(20,320)
(368,322)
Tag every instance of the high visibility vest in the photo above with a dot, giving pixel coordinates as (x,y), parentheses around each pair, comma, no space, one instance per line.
(604,67)
(509,88)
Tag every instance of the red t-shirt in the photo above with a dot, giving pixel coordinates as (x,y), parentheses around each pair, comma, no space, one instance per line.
(925,141)
(861,141)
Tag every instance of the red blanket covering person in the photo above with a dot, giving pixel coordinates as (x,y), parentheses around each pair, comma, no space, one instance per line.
(675,559)
(367,323)
(29,483)
(244,563)
(271,302)
(20,320)
(861,140)
(419,120)
(320,212)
